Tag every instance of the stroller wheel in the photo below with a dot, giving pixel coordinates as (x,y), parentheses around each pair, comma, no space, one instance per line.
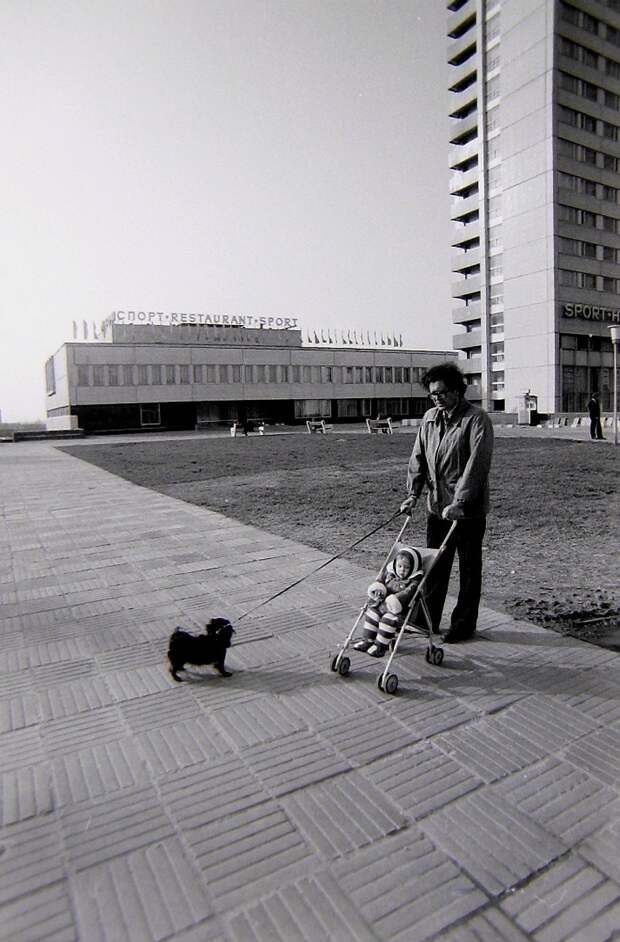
(344,666)
(333,663)
(434,655)
(390,685)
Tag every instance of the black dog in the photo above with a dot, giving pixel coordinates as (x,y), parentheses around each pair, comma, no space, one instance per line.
(209,648)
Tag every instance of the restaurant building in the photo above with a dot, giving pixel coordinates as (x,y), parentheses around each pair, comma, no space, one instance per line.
(150,376)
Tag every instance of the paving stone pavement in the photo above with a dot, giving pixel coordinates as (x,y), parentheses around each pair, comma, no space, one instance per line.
(284,803)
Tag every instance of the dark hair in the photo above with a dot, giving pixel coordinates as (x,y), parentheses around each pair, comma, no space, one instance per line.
(448,373)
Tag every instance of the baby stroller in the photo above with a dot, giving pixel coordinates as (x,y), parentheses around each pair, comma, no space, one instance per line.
(407,620)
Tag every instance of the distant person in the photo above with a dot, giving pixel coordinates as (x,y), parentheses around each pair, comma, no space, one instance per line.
(452,457)
(594,411)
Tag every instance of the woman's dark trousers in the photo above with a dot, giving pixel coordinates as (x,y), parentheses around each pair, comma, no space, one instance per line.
(467,542)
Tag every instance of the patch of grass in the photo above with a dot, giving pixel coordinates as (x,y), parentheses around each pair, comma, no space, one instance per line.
(553,523)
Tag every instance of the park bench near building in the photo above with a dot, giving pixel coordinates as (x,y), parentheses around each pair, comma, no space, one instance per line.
(238,428)
(317,425)
(380,426)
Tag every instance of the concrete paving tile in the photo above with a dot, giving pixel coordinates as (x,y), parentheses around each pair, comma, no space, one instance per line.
(47,619)
(599,754)
(61,673)
(20,749)
(259,652)
(549,726)
(54,652)
(488,925)
(182,744)
(368,735)
(314,640)
(255,721)
(419,896)
(152,893)
(489,750)
(26,793)
(282,676)
(426,714)
(15,685)
(32,856)
(249,854)
(98,770)
(42,916)
(160,709)
(69,734)
(497,844)
(486,691)
(420,780)
(104,828)
(19,712)
(569,901)
(602,849)
(213,692)
(342,814)
(90,609)
(209,792)
(73,697)
(305,911)
(323,703)
(10,624)
(127,685)
(293,762)
(139,654)
(14,661)
(564,800)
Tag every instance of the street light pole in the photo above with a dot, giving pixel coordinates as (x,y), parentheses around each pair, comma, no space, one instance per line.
(615,339)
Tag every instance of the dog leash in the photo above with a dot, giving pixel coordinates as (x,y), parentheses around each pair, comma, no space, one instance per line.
(322,566)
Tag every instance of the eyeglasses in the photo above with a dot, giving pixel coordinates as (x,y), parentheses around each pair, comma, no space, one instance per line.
(439,395)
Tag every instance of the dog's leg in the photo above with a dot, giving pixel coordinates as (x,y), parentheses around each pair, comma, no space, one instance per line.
(173,671)
(219,666)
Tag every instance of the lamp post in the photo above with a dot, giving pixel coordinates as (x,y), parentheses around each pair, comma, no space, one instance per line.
(615,339)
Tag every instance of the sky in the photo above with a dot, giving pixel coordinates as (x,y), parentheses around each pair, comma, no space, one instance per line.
(265,157)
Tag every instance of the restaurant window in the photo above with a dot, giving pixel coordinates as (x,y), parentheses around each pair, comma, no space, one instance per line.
(306,374)
(127,374)
(368,372)
(210,373)
(348,374)
(112,374)
(156,374)
(170,375)
(143,375)
(184,374)
(378,374)
(296,374)
(82,376)
(98,375)
(197,373)
(150,414)
(389,374)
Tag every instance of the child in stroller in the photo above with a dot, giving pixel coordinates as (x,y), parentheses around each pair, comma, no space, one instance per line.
(388,601)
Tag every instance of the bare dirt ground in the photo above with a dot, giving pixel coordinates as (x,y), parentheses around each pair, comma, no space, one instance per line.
(551,550)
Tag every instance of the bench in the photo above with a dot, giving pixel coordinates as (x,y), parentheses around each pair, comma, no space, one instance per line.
(238,428)
(317,425)
(380,426)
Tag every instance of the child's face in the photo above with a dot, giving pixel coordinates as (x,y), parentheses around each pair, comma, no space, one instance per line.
(402,566)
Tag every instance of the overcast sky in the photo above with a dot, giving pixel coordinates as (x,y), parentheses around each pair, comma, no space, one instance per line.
(282,157)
